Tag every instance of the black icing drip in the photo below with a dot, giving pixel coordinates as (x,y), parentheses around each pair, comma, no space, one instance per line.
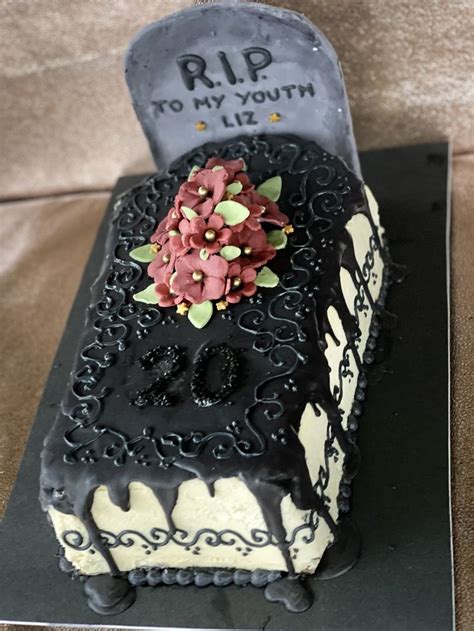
(127,417)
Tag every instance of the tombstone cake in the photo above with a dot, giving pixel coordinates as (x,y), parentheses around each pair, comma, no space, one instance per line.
(207,432)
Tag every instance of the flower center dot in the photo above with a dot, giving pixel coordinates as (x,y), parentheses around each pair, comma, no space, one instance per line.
(210,235)
(198,275)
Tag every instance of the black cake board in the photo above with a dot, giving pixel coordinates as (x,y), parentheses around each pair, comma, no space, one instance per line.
(401,501)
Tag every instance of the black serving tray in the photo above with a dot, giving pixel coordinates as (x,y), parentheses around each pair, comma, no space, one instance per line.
(401,502)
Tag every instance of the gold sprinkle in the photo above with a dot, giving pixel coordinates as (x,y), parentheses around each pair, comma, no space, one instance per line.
(288,229)
(263,209)
(247,250)
(274,117)
(236,282)
(166,258)
(182,308)
(210,235)
(200,126)
(222,305)
(155,248)
(198,275)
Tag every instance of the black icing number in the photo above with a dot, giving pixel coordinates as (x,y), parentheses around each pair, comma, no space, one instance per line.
(229,373)
(170,362)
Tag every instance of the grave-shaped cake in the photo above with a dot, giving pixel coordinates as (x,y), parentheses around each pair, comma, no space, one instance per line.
(207,432)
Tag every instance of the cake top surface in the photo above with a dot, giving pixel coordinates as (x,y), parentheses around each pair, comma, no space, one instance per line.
(231,395)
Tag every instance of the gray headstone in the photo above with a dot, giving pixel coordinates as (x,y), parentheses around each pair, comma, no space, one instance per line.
(215,71)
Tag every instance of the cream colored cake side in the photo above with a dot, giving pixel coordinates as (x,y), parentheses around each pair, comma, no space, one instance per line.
(228,530)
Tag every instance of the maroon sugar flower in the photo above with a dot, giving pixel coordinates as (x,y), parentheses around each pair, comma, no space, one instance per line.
(177,245)
(261,209)
(166,225)
(244,179)
(197,280)
(254,247)
(240,282)
(203,191)
(231,166)
(205,233)
(165,297)
(162,265)
(272,214)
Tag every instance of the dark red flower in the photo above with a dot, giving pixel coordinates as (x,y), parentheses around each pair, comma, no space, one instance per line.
(272,214)
(177,244)
(162,265)
(203,191)
(208,233)
(244,179)
(231,166)
(165,297)
(197,280)
(261,209)
(256,251)
(240,282)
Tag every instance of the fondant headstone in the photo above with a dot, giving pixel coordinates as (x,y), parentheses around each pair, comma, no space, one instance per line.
(215,71)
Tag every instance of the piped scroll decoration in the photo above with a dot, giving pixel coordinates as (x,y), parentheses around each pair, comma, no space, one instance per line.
(159,537)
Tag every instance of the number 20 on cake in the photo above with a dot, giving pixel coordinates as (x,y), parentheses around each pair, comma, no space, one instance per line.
(206,435)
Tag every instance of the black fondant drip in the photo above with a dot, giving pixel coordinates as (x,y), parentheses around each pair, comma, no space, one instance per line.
(276,360)
(293,594)
(108,595)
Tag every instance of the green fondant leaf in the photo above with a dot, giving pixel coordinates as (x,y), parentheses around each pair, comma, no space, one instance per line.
(277,238)
(234,188)
(194,170)
(244,165)
(232,212)
(148,295)
(189,213)
(266,278)
(143,254)
(230,252)
(204,254)
(218,167)
(271,188)
(199,315)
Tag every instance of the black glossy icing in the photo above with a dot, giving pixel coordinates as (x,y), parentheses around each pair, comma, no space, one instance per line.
(293,594)
(109,595)
(343,554)
(277,335)
(201,577)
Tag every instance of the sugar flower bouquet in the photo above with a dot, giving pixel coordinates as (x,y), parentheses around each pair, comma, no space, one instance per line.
(211,249)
